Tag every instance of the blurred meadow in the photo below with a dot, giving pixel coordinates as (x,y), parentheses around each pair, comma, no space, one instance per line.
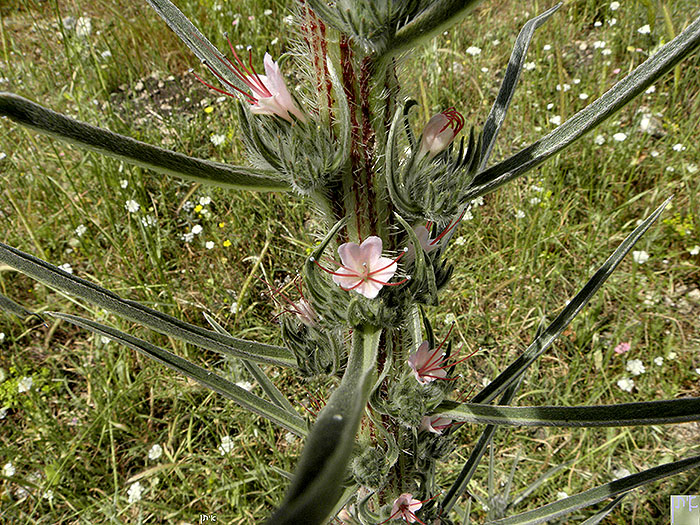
(82,416)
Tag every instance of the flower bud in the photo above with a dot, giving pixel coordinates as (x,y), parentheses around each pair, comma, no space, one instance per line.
(439,132)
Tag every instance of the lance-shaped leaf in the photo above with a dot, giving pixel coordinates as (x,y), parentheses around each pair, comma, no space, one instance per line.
(148,317)
(277,397)
(197,42)
(133,151)
(623,414)
(598,494)
(318,479)
(435,18)
(541,343)
(11,307)
(285,418)
(612,101)
(510,81)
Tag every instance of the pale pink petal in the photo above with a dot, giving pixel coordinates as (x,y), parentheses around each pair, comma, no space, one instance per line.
(387,269)
(417,358)
(351,256)
(346,279)
(369,289)
(371,250)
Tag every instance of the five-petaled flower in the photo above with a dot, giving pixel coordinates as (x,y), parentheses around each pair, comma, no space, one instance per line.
(439,132)
(268,93)
(362,267)
(405,508)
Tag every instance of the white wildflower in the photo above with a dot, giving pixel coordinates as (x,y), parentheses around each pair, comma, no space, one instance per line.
(599,140)
(267,12)
(155,452)
(556,120)
(245,385)
(188,237)
(650,90)
(83,27)
(25,384)
(606,52)
(659,361)
(644,30)
(135,492)
(612,22)
(460,241)
(205,201)
(695,250)
(621,472)
(671,355)
(209,245)
(2,336)
(535,200)
(106,54)
(583,96)
(473,50)
(197,229)
(626,384)
(132,206)
(614,6)
(48,495)
(619,137)
(226,446)
(66,268)
(598,44)
(678,147)
(519,214)
(562,495)
(3,412)
(8,470)
(124,184)
(640,256)
(635,367)
(234,307)
(546,47)
(529,66)
(217,140)
(80,230)
(148,221)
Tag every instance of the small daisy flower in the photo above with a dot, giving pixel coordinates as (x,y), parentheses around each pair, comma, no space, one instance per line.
(226,446)
(650,90)
(48,495)
(519,214)
(659,361)
(695,250)
(606,52)
(546,47)
(671,355)
(614,6)
(155,452)
(620,473)
(209,245)
(626,384)
(197,229)
(678,147)
(556,120)
(135,491)
(619,137)
(245,385)
(2,336)
(640,256)
(205,201)
(124,184)
(132,206)
(635,367)
(25,384)
(598,44)
(562,495)
(529,66)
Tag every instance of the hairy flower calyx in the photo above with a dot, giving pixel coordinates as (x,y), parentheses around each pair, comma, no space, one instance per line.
(363,269)
(268,93)
(439,132)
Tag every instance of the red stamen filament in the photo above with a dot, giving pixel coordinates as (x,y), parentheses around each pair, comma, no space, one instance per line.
(455,120)
(449,228)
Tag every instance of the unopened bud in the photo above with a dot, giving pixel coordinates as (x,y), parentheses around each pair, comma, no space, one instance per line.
(439,132)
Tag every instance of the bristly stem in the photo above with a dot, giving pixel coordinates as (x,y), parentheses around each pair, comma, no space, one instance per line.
(356,168)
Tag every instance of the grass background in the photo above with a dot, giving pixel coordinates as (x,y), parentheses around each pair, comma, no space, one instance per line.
(95,409)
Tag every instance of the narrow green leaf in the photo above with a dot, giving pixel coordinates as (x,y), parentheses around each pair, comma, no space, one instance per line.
(510,81)
(198,43)
(607,105)
(48,122)
(598,494)
(623,414)
(432,20)
(245,399)
(602,513)
(11,307)
(277,397)
(318,479)
(158,321)
(571,310)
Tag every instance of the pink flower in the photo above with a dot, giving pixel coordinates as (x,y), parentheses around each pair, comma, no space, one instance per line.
(426,364)
(439,132)
(405,507)
(435,424)
(622,348)
(268,93)
(363,269)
